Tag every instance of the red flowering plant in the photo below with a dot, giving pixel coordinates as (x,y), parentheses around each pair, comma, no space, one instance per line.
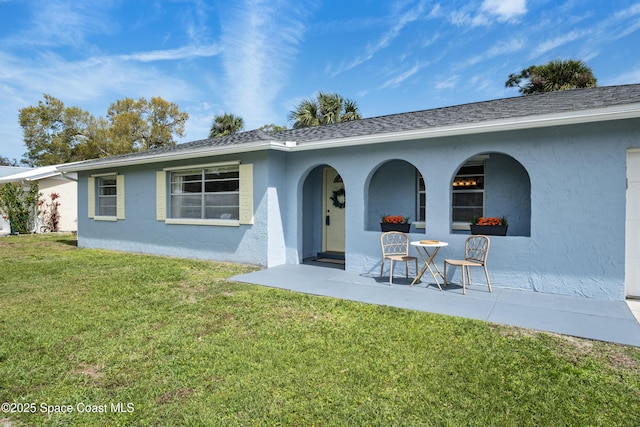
(481,220)
(50,216)
(397,219)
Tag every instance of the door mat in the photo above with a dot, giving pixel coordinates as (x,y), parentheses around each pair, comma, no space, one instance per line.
(331,260)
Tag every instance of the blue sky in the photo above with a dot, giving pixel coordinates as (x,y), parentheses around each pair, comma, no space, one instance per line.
(257,59)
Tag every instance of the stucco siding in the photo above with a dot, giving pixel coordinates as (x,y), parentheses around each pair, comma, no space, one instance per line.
(563,189)
(576,209)
(141,232)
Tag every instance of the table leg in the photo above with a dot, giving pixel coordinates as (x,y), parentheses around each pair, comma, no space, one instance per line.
(428,262)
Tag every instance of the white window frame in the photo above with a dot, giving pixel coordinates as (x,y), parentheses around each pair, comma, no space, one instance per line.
(245,195)
(94,197)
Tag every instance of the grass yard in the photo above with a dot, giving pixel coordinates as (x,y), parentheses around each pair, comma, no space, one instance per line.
(105,338)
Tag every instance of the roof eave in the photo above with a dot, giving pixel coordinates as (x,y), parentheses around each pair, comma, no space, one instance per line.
(171,156)
(628,111)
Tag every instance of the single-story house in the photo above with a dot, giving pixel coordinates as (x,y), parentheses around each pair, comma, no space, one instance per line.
(49,180)
(563,167)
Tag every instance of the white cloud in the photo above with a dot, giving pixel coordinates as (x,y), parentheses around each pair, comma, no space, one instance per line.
(260,41)
(398,79)
(448,83)
(505,10)
(185,52)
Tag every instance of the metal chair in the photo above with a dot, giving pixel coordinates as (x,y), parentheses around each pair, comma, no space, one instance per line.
(395,247)
(476,251)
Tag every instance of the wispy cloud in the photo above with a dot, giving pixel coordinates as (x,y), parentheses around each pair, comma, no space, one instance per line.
(259,42)
(185,52)
(63,23)
(404,75)
(490,10)
(399,19)
(504,10)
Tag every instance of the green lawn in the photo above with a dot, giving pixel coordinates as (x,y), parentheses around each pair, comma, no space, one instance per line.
(143,340)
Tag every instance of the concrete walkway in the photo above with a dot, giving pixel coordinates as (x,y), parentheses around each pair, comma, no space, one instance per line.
(611,321)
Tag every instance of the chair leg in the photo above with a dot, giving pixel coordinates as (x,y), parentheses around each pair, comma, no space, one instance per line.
(486,274)
(406,269)
(381,267)
(445,274)
(390,272)
(464,282)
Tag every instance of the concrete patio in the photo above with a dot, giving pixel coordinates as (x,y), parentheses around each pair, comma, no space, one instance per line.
(611,321)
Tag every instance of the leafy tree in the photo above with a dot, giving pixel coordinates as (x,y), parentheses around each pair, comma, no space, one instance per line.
(556,75)
(52,132)
(272,128)
(325,109)
(142,125)
(57,134)
(4,161)
(19,205)
(226,124)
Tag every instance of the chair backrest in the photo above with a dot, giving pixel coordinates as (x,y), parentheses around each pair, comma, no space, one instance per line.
(394,243)
(477,249)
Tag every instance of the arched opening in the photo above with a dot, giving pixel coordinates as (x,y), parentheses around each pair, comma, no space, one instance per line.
(396,187)
(323,214)
(491,185)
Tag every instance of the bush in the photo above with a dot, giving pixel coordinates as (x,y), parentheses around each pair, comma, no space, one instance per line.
(19,205)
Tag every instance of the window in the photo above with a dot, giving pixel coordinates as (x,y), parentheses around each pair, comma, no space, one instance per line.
(214,194)
(211,193)
(106,197)
(468,194)
(421,199)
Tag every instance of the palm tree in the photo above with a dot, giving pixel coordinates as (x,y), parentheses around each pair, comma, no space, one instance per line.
(226,124)
(325,109)
(556,75)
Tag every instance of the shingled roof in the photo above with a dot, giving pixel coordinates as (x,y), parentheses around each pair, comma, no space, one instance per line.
(516,108)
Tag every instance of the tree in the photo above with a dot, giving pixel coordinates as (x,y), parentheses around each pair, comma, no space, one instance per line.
(272,128)
(226,124)
(4,161)
(556,75)
(52,132)
(57,134)
(142,125)
(325,109)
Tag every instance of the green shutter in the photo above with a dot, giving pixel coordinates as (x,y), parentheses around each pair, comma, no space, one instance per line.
(120,197)
(246,193)
(161,196)
(91,197)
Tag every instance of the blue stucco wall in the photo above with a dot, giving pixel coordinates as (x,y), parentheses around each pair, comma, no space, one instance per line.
(141,232)
(573,241)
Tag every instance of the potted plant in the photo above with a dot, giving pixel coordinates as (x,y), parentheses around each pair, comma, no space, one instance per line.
(489,226)
(395,223)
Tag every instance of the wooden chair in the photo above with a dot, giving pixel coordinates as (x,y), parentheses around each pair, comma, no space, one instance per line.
(395,247)
(476,251)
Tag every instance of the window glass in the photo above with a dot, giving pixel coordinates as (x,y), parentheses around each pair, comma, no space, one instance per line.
(107,196)
(210,193)
(468,193)
(422,199)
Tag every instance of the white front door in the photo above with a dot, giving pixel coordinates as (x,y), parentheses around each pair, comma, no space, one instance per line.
(334,215)
(632,241)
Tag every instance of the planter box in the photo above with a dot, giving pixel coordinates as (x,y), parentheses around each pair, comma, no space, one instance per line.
(489,230)
(385,226)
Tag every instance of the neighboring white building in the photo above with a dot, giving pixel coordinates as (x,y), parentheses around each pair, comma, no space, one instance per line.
(50,180)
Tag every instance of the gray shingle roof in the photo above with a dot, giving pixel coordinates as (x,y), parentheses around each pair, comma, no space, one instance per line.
(477,112)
